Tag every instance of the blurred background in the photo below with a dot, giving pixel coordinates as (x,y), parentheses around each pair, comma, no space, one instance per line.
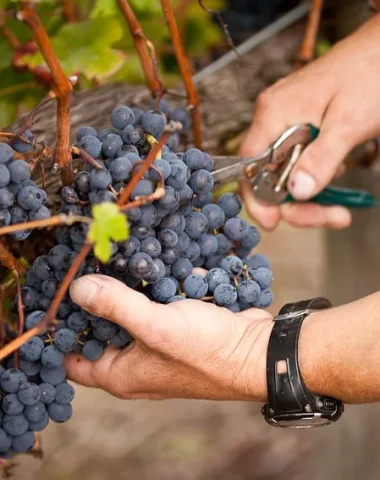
(198,440)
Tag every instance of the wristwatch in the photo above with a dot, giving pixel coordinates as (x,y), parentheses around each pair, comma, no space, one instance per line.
(290,404)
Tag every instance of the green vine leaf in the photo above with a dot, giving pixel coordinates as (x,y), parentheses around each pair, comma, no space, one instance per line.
(109,225)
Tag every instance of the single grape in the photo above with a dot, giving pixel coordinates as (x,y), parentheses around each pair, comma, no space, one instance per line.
(154,123)
(252,239)
(263,276)
(224,245)
(5,217)
(213,261)
(183,242)
(41,268)
(194,159)
(6,197)
(174,221)
(158,271)
(215,277)
(30,198)
(29,368)
(93,350)
(134,135)
(170,200)
(33,319)
(54,376)
(130,246)
(151,246)
(164,168)
(195,286)
(91,145)
(162,106)
(134,214)
(185,195)
(196,225)
(11,404)
(120,169)
(49,288)
(176,298)
(179,175)
(100,179)
(140,265)
(29,298)
(180,114)
(168,238)
(142,189)
(51,357)
(232,265)
(248,291)
(202,199)
(6,153)
(215,216)
(102,196)
(142,232)
(231,204)
(5,441)
(65,393)
(111,145)
(41,425)
(31,350)
(82,182)
(225,294)
(234,307)
(182,268)
(19,171)
(59,413)
(85,130)
(35,413)
(170,255)
(11,380)
(29,393)
(257,261)
(122,116)
(5,175)
(201,181)
(47,393)
(41,214)
(15,425)
(236,229)
(163,290)
(208,244)
(265,299)
(192,252)
(23,443)
(65,340)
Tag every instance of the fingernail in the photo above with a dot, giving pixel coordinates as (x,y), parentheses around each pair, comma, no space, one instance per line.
(302,185)
(84,290)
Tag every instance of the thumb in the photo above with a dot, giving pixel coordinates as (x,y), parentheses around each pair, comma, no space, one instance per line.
(318,164)
(108,298)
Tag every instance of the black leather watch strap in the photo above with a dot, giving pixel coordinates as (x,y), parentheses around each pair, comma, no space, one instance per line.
(287,393)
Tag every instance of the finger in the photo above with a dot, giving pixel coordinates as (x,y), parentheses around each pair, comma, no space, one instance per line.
(314,215)
(319,162)
(266,215)
(106,297)
(90,374)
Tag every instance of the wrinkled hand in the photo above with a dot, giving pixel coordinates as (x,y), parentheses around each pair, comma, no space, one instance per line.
(187,349)
(340,94)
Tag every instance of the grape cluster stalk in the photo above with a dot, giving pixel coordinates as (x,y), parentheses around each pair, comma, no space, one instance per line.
(181,246)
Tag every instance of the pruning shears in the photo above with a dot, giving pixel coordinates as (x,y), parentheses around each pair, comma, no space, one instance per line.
(269,172)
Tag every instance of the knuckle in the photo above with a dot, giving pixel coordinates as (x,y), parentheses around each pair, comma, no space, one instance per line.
(264,101)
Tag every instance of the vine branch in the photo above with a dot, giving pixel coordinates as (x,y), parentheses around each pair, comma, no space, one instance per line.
(143,47)
(307,50)
(62,88)
(10,262)
(184,66)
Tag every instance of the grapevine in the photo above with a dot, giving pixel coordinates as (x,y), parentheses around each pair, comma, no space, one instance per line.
(134,209)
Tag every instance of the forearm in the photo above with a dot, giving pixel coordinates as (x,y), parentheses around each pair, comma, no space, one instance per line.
(339,351)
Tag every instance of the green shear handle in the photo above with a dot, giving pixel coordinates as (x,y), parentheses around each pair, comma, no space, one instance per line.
(331,195)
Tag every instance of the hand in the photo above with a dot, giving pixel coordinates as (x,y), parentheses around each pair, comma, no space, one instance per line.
(340,94)
(186,349)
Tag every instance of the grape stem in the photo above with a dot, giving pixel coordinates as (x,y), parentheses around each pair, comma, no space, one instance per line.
(9,36)
(86,157)
(307,50)
(145,50)
(69,11)
(56,220)
(185,68)
(62,88)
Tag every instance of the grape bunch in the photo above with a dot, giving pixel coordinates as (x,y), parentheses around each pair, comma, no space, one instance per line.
(181,246)
(20,198)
